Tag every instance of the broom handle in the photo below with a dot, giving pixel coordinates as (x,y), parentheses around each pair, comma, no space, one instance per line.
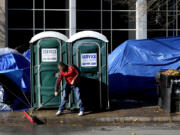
(47,101)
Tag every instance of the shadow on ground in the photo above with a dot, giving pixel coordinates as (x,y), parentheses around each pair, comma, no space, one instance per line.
(130,104)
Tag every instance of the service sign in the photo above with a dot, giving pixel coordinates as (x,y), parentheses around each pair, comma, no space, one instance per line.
(88,60)
(49,55)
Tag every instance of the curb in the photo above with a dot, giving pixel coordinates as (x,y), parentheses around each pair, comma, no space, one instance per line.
(61,120)
(112,120)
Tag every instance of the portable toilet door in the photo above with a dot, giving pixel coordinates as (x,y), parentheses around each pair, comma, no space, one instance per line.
(88,50)
(47,49)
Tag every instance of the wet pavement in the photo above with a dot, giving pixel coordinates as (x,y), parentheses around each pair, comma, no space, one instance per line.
(123,112)
(106,129)
(141,114)
(128,119)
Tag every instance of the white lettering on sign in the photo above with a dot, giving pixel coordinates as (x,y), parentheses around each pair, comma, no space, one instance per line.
(49,55)
(89,60)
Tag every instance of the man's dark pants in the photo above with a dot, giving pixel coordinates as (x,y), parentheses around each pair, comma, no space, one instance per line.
(66,92)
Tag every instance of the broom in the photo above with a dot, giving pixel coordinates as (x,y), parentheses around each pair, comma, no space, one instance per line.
(29,116)
(34,119)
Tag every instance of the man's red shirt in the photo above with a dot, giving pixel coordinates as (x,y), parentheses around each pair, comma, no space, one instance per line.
(69,75)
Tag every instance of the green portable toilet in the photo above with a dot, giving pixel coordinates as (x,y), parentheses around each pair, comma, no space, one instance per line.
(47,49)
(88,50)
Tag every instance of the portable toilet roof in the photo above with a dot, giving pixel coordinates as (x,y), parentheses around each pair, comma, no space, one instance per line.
(85,34)
(48,34)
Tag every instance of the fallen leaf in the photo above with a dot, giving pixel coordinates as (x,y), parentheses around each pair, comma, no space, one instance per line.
(133,133)
(122,122)
(74,125)
(61,121)
(97,124)
(134,120)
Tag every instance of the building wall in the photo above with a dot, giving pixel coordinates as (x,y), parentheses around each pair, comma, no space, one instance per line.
(113,18)
(118,20)
(2,24)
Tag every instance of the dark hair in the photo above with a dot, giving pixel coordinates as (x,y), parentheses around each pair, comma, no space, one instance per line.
(61,64)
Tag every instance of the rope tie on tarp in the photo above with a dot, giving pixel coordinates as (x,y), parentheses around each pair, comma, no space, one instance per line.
(14,94)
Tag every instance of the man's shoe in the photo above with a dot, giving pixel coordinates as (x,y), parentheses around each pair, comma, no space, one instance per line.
(81,113)
(58,113)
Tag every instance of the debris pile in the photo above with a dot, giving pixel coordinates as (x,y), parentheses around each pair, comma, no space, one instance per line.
(171,72)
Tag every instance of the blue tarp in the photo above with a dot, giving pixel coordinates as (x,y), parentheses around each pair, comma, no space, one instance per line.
(134,64)
(27,55)
(15,77)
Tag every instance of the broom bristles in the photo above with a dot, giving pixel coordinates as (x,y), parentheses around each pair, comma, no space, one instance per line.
(28,116)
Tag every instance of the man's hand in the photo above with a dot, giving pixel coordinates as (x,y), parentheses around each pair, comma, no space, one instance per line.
(56,93)
(72,83)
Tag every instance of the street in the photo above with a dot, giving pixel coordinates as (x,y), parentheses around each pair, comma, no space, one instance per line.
(90,129)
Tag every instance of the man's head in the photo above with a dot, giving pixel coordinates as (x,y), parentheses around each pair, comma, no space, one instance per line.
(62,67)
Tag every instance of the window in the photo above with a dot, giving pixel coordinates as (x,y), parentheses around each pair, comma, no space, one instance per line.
(163,18)
(123,20)
(20,4)
(106,20)
(20,19)
(107,33)
(29,17)
(113,18)
(57,4)
(39,4)
(88,20)
(19,39)
(123,4)
(156,33)
(120,36)
(156,20)
(57,19)
(39,19)
(106,4)
(88,4)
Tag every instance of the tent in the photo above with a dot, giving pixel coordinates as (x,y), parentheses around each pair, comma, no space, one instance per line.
(15,78)
(3,106)
(134,64)
(27,55)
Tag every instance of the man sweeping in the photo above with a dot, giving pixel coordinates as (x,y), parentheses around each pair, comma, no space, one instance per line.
(71,75)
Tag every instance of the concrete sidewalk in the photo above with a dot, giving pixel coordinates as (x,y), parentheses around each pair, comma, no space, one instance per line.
(142,114)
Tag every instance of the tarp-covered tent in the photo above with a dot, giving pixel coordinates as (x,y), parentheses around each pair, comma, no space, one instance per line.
(134,64)
(15,78)
(27,55)
(3,106)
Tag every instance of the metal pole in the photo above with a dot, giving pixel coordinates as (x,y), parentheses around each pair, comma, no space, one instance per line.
(108,105)
(177,17)
(44,15)
(167,19)
(34,17)
(39,79)
(111,29)
(101,17)
(141,19)
(72,17)
(6,22)
(174,17)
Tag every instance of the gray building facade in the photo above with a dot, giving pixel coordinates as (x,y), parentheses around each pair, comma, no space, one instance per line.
(3,24)
(119,20)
